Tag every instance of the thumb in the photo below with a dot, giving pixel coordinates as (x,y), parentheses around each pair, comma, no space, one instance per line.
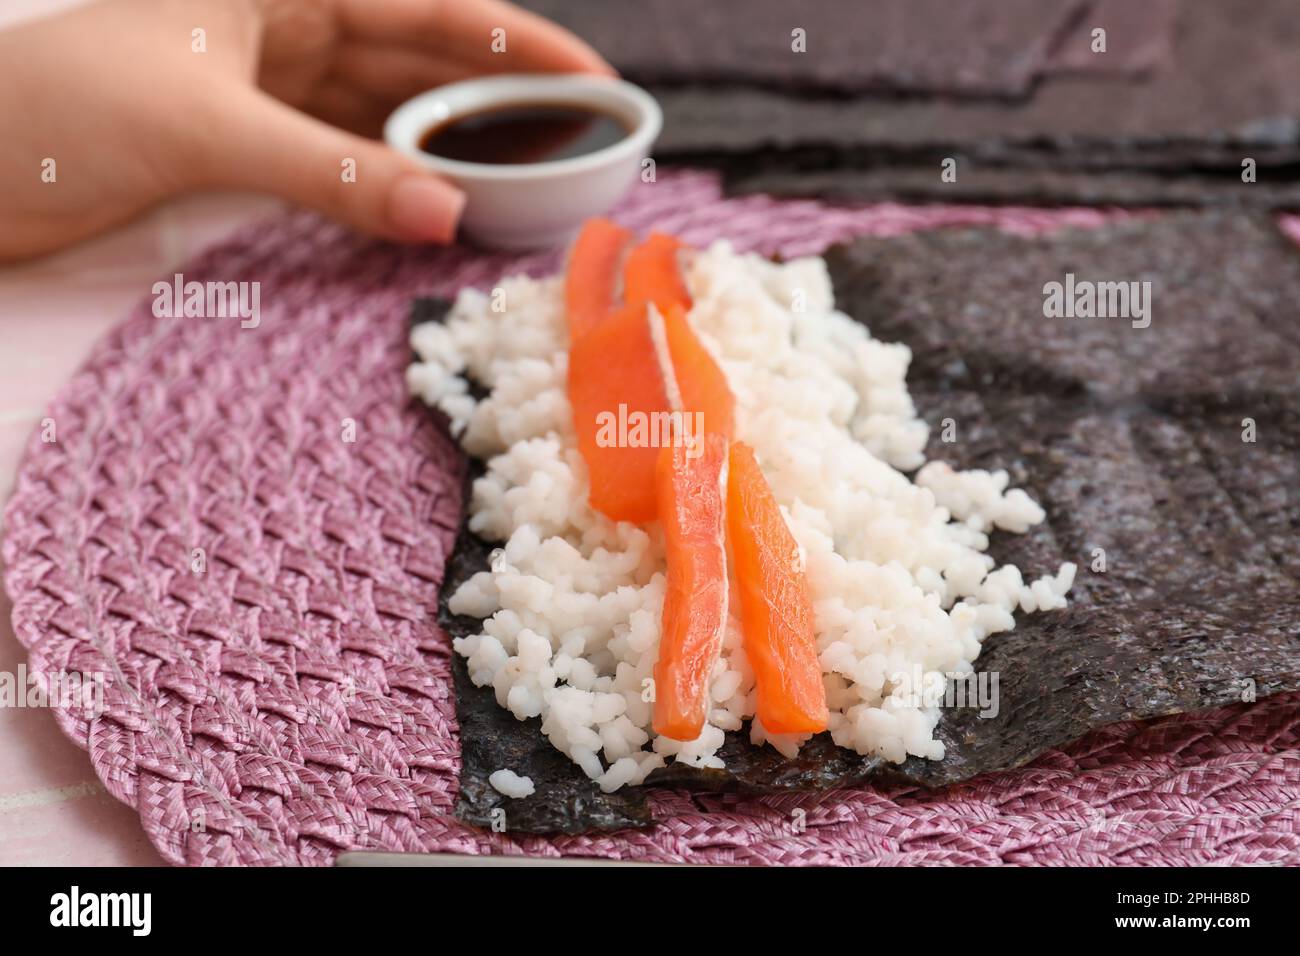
(269,147)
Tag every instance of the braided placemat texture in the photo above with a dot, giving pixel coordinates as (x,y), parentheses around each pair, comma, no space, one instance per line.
(259,593)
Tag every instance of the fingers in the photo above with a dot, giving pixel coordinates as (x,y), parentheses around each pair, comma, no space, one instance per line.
(394,73)
(268,147)
(342,104)
(488,34)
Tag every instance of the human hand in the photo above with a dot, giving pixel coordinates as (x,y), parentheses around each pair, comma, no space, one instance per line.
(111,108)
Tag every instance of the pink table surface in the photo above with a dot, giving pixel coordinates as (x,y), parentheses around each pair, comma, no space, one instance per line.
(53,810)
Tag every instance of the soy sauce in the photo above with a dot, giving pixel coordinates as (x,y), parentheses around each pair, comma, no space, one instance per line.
(524,133)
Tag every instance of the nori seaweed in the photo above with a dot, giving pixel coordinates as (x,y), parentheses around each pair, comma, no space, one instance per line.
(1181,119)
(1016,185)
(1139,38)
(1131,439)
(976,48)
(491,739)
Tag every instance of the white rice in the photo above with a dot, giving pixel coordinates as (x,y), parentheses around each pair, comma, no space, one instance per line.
(896,567)
(510,784)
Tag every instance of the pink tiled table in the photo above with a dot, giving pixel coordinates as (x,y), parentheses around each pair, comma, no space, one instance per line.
(52,808)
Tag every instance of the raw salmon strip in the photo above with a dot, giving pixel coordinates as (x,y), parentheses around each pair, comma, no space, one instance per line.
(639,365)
(702,383)
(692,498)
(775,606)
(614,376)
(652,274)
(591,279)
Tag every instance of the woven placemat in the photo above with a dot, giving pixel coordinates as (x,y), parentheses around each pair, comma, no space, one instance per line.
(244,529)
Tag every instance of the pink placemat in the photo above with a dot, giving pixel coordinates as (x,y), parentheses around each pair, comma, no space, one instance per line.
(259,593)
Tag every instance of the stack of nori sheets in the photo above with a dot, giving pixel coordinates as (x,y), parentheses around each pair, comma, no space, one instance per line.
(1132,439)
(1011,89)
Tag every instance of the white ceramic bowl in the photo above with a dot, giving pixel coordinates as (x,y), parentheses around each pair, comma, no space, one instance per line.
(526,205)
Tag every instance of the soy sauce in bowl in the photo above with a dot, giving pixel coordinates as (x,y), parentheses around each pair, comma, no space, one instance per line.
(534,153)
(513,133)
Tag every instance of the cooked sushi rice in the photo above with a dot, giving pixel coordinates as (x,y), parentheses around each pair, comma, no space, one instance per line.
(510,784)
(571,604)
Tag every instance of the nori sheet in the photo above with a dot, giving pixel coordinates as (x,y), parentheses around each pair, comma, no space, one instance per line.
(1229,88)
(1139,38)
(1131,439)
(975,48)
(1026,186)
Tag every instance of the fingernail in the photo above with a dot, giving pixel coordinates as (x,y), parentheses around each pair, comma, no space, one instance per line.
(424,208)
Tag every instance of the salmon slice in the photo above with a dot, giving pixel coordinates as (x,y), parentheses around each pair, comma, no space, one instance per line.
(591,279)
(775,606)
(627,375)
(702,383)
(652,274)
(615,381)
(692,498)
